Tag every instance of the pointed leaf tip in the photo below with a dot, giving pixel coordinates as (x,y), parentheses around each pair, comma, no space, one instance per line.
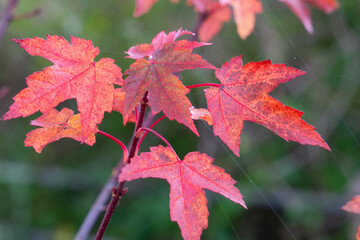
(243,96)
(55,125)
(73,75)
(154,71)
(188,179)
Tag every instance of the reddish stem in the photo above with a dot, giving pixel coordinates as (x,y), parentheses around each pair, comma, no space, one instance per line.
(118,191)
(144,135)
(203,85)
(157,121)
(126,153)
(157,134)
(136,114)
(27,15)
(102,200)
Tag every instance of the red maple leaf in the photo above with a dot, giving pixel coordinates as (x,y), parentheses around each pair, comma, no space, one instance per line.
(119,97)
(143,6)
(353,205)
(187,179)
(73,75)
(245,14)
(153,72)
(243,96)
(56,125)
(215,14)
(302,12)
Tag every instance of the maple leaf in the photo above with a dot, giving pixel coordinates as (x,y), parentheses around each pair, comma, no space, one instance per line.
(353,205)
(214,13)
(73,75)
(143,6)
(56,125)
(243,96)
(187,179)
(154,74)
(245,14)
(119,97)
(302,12)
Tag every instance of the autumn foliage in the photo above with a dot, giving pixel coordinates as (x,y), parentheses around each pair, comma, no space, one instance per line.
(73,75)
(241,95)
(152,80)
(187,178)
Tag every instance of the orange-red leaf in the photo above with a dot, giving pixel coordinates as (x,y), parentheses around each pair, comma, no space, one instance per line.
(56,125)
(302,12)
(215,15)
(353,205)
(143,6)
(245,14)
(73,75)
(187,179)
(328,6)
(119,97)
(154,71)
(243,96)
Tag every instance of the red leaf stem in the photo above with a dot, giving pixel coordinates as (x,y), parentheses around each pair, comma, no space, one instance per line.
(156,122)
(122,145)
(136,114)
(203,85)
(144,135)
(118,191)
(157,134)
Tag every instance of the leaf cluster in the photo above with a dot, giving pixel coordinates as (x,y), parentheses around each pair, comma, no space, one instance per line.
(99,87)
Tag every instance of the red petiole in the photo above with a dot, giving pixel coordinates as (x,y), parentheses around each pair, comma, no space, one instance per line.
(203,85)
(143,136)
(157,134)
(126,153)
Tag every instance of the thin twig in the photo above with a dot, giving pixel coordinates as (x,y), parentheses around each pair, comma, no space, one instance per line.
(27,15)
(118,191)
(7,17)
(95,210)
(99,205)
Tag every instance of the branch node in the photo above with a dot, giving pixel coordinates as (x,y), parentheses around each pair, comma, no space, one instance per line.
(114,191)
(124,191)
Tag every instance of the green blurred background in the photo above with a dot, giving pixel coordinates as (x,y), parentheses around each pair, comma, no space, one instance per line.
(292,191)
